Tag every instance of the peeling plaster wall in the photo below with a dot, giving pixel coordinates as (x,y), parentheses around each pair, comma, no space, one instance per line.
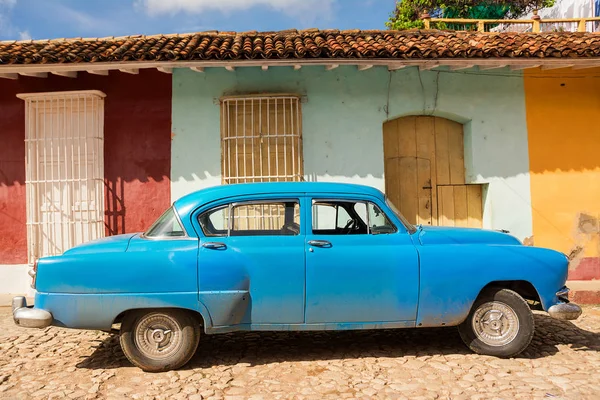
(563,114)
(342,126)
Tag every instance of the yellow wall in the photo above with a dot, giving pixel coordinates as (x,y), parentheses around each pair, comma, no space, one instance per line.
(563,122)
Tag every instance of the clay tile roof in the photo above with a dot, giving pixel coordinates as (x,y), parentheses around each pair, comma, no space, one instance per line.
(304,44)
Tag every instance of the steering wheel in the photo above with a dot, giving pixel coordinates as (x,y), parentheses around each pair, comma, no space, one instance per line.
(350,226)
(291,227)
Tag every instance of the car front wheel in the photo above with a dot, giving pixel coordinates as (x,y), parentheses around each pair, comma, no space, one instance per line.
(159,340)
(500,324)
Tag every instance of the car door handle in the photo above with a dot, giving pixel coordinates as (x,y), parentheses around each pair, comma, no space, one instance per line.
(214,245)
(319,243)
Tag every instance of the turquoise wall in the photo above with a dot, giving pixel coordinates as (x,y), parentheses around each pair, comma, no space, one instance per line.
(342,126)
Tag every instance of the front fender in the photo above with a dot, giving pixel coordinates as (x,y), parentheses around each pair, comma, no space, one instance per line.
(452,276)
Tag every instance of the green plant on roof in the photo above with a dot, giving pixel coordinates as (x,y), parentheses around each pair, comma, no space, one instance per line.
(407,14)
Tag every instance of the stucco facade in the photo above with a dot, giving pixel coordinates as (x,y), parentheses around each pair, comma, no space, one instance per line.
(563,110)
(342,117)
(529,138)
(137,121)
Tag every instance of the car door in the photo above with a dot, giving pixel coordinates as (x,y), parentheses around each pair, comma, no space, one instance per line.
(361,264)
(251,262)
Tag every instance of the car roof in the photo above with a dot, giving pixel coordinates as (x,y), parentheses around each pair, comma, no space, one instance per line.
(207,195)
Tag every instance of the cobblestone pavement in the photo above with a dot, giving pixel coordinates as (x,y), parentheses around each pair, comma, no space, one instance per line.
(563,361)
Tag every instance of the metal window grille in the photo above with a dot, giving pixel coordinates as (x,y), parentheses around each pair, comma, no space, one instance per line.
(261,139)
(262,217)
(64,141)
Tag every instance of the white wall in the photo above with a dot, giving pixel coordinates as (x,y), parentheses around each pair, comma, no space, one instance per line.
(14,279)
(569,9)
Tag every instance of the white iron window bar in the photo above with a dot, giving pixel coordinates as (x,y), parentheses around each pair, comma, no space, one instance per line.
(261,139)
(64,142)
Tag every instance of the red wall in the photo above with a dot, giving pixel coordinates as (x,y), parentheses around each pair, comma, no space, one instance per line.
(137,151)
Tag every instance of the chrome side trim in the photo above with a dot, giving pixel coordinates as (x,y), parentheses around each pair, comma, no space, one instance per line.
(29,317)
(564,292)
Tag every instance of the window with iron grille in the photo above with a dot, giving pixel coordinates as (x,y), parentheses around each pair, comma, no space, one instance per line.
(64,142)
(261,139)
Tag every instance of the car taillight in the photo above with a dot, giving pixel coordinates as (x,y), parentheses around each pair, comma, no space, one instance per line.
(33,274)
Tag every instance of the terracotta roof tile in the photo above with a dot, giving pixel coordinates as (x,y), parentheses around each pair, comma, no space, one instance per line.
(305,44)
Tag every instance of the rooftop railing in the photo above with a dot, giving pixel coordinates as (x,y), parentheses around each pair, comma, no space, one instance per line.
(535,24)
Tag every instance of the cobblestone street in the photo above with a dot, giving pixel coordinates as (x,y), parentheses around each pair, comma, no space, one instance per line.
(563,361)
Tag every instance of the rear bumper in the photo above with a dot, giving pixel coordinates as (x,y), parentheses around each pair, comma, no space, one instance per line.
(565,311)
(29,317)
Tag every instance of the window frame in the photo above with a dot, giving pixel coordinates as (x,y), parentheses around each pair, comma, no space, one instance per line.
(314,200)
(231,205)
(295,138)
(177,216)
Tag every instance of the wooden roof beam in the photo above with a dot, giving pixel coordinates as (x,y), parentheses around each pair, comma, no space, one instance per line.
(585,66)
(460,67)
(491,66)
(364,67)
(165,70)
(517,67)
(66,74)
(428,66)
(9,76)
(395,67)
(35,74)
(297,67)
(197,69)
(230,68)
(331,67)
(101,72)
(555,66)
(132,71)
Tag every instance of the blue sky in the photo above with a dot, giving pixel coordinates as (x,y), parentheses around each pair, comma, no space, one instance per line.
(41,19)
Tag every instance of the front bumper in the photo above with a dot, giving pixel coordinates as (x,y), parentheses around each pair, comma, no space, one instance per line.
(565,311)
(29,317)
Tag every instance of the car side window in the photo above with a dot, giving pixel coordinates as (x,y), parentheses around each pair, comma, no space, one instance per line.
(329,217)
(269,218)
(343,217)
(215,222)
(167,225)
(338,217)
(379,222)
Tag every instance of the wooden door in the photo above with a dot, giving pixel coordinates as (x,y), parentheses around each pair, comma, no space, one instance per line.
(423,154)
(460,205)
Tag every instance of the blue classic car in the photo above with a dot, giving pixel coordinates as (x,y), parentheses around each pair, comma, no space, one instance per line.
(295,256)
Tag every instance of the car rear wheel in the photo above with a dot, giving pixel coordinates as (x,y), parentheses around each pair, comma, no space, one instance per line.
(500,324)
(159,340)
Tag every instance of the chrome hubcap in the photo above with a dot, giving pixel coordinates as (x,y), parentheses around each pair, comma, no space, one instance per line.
(158,335)
(495,323)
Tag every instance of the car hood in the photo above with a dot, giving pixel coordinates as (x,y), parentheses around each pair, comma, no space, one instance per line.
(448,235)
(111,244)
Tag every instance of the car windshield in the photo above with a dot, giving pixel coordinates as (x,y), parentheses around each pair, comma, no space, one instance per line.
(167,225)
(410,227)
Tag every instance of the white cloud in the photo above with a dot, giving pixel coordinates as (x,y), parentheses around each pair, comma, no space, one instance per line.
(24,35)
(305,9)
